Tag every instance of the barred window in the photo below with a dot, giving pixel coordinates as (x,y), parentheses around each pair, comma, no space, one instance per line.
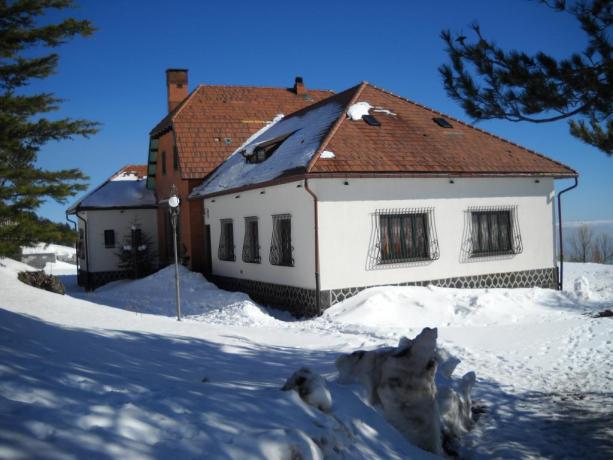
(226,241)
(403,237)
(281,246)
(109,238)
(491,232)
(251,243)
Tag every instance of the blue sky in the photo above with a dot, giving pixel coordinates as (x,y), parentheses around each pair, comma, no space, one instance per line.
(117,76)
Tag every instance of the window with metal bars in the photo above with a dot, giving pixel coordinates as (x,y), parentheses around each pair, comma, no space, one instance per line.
(491,232)
(403,237)
(226,241)
(251,243)
(109,238)
(281,245)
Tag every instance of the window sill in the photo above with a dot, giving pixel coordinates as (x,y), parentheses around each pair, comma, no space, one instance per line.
(402,261)
(481,255)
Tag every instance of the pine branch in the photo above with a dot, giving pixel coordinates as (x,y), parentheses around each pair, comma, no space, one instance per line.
(491,83)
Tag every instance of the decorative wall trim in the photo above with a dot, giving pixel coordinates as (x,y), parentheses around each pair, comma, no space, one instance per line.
(301,302)
(298,301)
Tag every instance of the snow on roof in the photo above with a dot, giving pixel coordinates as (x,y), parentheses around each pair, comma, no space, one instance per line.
(125,189)
(301,134)
(358,110)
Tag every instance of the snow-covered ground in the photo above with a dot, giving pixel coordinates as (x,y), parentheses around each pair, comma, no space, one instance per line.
(113,374)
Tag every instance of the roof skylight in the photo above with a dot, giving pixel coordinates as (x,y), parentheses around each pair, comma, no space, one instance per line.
(442,122)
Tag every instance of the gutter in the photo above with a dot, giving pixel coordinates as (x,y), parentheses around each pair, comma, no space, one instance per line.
(76,229)
(316,219)
(561,242)
(86,250)
(376,175)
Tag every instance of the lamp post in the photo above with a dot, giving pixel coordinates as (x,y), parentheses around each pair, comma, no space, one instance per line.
(173,208)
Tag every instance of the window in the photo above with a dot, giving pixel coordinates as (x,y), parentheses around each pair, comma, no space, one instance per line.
(153,152)
(175,158)
(137,237)
(109,238)
(251,244)
(226,241)
(281,245)
(491,232)
(404,237)
(164,163)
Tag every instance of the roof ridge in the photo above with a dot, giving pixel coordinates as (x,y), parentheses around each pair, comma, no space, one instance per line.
(359,88)
(286,88)
(184,102)
(472,127)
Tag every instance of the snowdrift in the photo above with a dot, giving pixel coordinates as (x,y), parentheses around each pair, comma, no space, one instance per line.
(200,299)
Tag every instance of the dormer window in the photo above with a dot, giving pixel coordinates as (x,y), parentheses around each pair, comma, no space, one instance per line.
(264,151)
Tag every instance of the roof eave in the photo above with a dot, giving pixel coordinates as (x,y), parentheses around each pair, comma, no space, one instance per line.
(379,175)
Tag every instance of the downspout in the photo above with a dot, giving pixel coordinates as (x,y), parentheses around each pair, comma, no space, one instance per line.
(76,229)
(87,284)
(316,219)
(561,243)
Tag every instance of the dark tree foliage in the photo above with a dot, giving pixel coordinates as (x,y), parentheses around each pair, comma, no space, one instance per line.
(24,127)
(490,82)
(137,255)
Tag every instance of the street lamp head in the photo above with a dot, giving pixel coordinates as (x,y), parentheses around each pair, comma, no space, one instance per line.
(174,201)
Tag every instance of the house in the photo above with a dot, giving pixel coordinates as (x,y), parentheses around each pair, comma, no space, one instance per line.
(366,188)
(119,215)
(199,132)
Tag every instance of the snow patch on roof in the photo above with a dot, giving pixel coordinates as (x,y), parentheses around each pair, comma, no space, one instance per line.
(303,133)
(358,110)
(126,175)
(327,155)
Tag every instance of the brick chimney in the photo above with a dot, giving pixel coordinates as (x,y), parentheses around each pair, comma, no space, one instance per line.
(176,84)
(299,88)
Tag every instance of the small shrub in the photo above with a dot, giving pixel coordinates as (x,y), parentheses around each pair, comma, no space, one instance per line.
(41,280)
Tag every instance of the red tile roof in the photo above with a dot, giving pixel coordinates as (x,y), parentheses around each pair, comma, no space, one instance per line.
(213,121)
(409,141)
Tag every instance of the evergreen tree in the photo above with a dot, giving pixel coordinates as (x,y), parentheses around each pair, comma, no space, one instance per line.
(490,82)
(23,125)
(137,256)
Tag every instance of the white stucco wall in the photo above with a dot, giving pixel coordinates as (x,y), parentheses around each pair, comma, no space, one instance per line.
(346,216)
(101,258)
(282,199)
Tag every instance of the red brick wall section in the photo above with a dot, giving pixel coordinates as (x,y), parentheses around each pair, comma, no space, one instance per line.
(164,184)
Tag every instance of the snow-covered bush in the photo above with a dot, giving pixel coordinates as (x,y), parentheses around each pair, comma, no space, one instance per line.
(428,407)
(311,387)
(39,279)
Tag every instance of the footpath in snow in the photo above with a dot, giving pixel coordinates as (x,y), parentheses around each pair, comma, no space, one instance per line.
(113,373)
